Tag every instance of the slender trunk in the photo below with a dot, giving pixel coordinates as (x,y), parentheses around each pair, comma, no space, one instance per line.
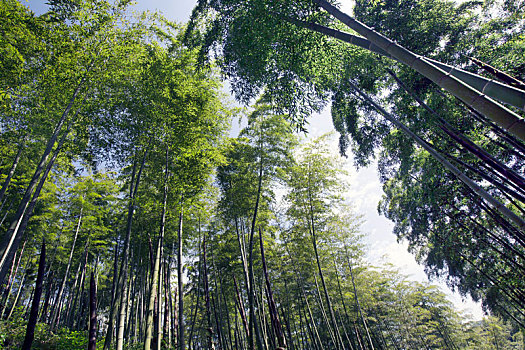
(241,309)
(221,302)
(167,291)
(79,279)
(6,212)
(71,300)
(502,116)
(176,319)
(465,142)
(172,300)
(359,338)
(20,225)
(114,282)
(58,302)
(11,280)
(132,297)
(316,332)
(260,313)
(33,317)
(254,327)
(92,344)
(27,307)
(510,143)
(323,313)
(357,302)
(211,345)
(158,327)
(137,325)
(242,249)
(222,299)
(50,280)
(153,294)
(350,341)
(274,315)
(82,321)
(338,339)
(287,316)
(155,279)
(80,290)
(179,280)
(49,290)
(122,314)
(197,288)
(129,303)
(15,302)
(122,276)
(12,238)
(505,190)
(7,180)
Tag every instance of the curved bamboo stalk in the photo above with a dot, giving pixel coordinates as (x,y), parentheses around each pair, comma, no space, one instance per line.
(499,114)
(31,323)
(494,89)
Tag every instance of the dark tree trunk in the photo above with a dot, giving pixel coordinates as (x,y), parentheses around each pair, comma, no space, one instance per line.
(92,313)
(30,330)
(503,210)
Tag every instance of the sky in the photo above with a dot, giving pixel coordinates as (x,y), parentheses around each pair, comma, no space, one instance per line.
(364,190)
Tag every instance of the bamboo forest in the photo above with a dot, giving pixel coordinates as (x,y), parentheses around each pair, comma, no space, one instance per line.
(161,187)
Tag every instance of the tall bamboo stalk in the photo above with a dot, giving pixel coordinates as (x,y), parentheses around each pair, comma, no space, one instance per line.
(499,114)
(92,342)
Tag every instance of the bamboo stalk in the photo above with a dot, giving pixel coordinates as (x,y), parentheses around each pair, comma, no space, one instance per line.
(499,114)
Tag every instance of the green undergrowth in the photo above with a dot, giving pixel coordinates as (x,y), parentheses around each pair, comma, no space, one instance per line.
(12,333)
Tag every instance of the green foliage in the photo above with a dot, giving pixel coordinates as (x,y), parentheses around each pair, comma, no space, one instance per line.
(12,333)
(147,106)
